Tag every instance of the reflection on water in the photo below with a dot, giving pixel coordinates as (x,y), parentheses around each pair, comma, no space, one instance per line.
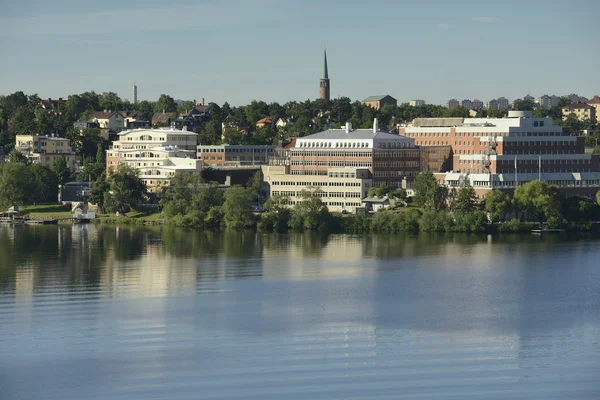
(112,312)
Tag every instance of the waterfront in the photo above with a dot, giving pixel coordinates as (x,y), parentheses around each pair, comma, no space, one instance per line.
(125,313)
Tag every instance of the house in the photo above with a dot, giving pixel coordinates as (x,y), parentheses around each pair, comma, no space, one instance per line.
(162,119)
(374,204)
(194,120)
(81,125)
(52,106)
(261,123)
(229,122)
(284,122)
(377,102)
(581,110)
(111,120)
(595,102)
(45,150)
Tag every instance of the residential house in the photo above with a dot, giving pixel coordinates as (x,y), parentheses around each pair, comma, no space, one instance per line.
(595,102)
(111,120)
(284,122)
(45,150)
(374,204)
(53,106)
(377,102)
(162,119)
(266,121)
(581,110)
(416,103)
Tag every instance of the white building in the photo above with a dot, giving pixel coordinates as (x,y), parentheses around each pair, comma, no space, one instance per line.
(159,154)
(111,120)
(416,103)
(343,188)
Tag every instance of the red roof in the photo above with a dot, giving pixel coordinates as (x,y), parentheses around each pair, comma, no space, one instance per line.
(265,120)
(595,100)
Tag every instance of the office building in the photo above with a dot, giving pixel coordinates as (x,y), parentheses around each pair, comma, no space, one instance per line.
(234,156)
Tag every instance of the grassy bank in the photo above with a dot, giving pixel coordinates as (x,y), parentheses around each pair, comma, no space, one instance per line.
(46,211)
(60,212)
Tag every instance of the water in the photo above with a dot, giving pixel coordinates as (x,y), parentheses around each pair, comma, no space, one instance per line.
(97,313)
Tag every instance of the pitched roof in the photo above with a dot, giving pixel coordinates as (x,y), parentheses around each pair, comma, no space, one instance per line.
(577,106)
(103,114)
(50,104)
(162,118)
(265,120)
(378,98)
(595,100)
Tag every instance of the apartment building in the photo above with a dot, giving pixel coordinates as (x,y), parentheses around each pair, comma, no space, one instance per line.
(159,154)
(582,111)
(343,188)
(416,103)
(234,156)
(45,150)
(452,104)
(506,152)
(595,102)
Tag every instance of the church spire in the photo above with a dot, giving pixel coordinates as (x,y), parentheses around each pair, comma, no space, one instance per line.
(324,88)
(325,72)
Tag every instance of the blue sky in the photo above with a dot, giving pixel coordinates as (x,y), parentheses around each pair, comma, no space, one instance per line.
(239,50)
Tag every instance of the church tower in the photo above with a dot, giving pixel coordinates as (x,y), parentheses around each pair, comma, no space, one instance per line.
(324,87)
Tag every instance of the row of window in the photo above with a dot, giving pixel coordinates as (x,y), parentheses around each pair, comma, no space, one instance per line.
(294,183)
(332,163)
(299,153)
(578,161)
(394,174)
(407,164)
(396,154)
(291,193)
(541,143)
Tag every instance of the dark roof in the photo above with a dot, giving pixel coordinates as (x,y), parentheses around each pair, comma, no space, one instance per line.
(129,114)
(265,120)
(378,98)
(50,104)
(230,118)
(162,118)
(578,106)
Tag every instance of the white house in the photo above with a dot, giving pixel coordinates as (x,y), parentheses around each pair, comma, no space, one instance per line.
(111,120)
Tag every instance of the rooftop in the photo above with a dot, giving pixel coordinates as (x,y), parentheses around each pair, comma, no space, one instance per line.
(377,98)
(161,130)
(577,106)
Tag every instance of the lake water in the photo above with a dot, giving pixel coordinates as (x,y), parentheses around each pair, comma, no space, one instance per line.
(116,313)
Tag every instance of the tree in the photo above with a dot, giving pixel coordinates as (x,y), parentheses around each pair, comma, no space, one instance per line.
(400,194)
(61,169)
(18,185)
(15,156)
(539,199)
(493,113)
(310,213)
(110,101)
(379,191)
(237,208)
(277,215)
(46,184)
(465,201)
(99,187)
(255,185)
(145,110)
(126,190)
(428,193)
(523,105)
(256,110)
(165,103)
(497,204)
(598,197)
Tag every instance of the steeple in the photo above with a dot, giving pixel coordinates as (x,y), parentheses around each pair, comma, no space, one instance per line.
(325,73)
(324,88)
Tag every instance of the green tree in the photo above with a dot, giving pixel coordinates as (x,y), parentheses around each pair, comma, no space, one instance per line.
(466,199)
(598,197)
(497,204)
(310,213)
(208,198)
(165,103)
(61,169)
(99,187)
(23,121)
(15,156)
(145,110)
(400,194)
(18,185)
(379,191)
(126,190)
(254,186)
(256,110)
(237,208)
(539,199)
(277,215)
(493,113)
(428,193)
(46,184)
(110,101)
(523,105)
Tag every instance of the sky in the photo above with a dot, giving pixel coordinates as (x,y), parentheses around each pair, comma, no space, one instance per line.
(272,50)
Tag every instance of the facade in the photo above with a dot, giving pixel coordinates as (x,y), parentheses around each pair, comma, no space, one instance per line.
(392,159)
(44,150)
(436,158)
(324,83)
(581,110)
(595,102)
(113,121)
(503,103)
(234,156)
(377,102)
(159,154)
(343,187)
(85,125)
(466,103)
(506,152)
(547,102)
(492,104)
(476,104)
(416,103)
(284,122)
(452,104)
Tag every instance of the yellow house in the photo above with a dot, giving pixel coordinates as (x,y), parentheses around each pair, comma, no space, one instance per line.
(595,102)
(581,110)
(45,150)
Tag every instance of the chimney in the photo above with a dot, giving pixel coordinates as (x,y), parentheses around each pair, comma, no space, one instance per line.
(375,126)
(49,99)
(203,101)
(348,127)
(60,99)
